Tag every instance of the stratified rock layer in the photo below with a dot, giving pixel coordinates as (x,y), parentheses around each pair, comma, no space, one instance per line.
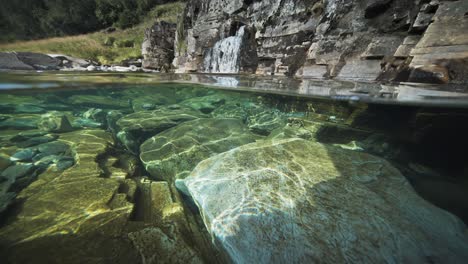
(420,41)
(158,46)
(293,201)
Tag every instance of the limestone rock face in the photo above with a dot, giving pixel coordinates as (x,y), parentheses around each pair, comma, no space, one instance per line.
(174,153)
(295,201)
(442,53)
(357,40)
(158,46)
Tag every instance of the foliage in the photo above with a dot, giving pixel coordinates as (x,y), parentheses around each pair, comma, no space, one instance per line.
(105,48)
(32,19)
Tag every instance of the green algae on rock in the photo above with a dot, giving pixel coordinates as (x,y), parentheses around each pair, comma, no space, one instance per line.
(293,201)
(173,153)
(79,215)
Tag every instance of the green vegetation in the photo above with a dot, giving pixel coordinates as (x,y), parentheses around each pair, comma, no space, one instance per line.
(34,19)
(105,48)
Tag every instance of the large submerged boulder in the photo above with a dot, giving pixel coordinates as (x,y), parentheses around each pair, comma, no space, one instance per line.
(174,153)
(296,201)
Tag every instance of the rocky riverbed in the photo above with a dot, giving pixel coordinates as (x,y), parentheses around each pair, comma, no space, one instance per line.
(176,173)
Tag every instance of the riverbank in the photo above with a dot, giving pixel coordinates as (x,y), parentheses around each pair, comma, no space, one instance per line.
(107,47)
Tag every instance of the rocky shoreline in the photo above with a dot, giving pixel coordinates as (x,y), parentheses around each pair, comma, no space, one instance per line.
(29,61)
(378,40)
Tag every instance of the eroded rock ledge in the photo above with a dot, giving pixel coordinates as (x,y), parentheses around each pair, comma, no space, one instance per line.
(396,40)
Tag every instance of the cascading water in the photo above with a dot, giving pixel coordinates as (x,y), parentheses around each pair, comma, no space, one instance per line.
(224,57)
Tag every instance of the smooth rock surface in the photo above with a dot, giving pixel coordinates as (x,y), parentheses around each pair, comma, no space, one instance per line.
(9,61)
(173,153)
(294,201)
(76,215)
(54,122)
(157,120)
(39,61)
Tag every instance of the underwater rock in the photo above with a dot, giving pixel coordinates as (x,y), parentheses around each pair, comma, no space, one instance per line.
(112,117)
(323,131)
(147,96)
(175,152)
(97,101)
(6,199)
(162,244)
(54,122)
(154,245)
(148,106)
(17,171)
(54,148)
(36,141)
(43,160)
(5,162)
(29,109)
(96,114)
(153,122)
(20,121)
(230,110)
(25,135)
(23,155)
(128,141)
(64,163)
(284,201)
(61,162)
(264,122)
(205,104)
(86,123)
(98,218)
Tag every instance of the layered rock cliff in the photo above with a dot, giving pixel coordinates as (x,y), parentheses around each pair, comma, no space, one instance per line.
(388,40)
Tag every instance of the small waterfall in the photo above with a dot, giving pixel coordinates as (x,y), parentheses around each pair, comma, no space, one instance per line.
(224,57)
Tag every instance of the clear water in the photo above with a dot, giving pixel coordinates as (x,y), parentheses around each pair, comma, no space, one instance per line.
(214,169)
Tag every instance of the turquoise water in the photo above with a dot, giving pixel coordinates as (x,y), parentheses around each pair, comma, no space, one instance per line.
(132,168)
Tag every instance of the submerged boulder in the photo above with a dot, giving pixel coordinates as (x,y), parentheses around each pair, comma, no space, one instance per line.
(296,201)
(205,104)
(77,215)
(97,101)
(175,152)
(20,121)
(157,120)
(54,122)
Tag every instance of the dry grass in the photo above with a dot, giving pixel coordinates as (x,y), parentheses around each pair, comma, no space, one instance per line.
(91,46)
